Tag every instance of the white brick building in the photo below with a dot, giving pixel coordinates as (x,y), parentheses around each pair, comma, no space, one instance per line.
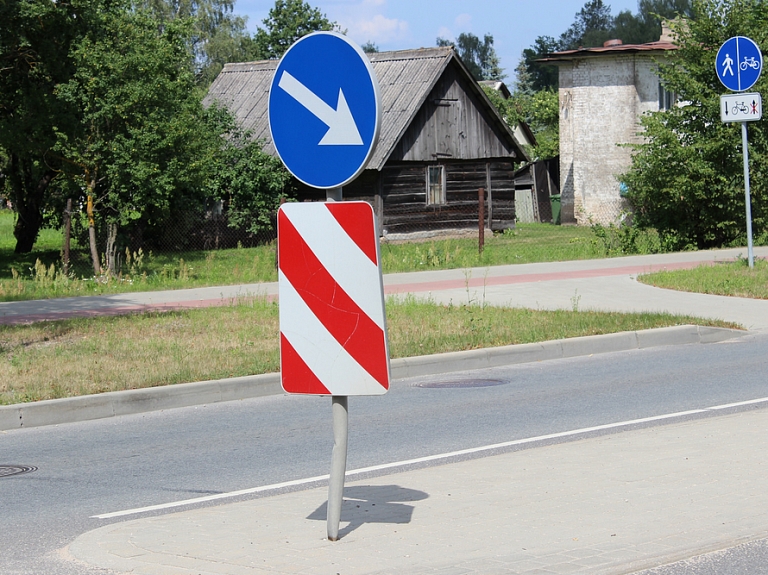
(603,93)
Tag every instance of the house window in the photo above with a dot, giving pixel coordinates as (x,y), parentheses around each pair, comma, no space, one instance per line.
(435,185)
(666,99)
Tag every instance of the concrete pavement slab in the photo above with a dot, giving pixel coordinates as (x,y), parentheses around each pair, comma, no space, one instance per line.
(611,293)
(122,303)
(603,505)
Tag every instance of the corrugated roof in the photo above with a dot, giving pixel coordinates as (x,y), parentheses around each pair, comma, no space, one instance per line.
(405,77)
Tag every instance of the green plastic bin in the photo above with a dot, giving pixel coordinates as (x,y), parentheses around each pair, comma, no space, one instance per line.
(554,201)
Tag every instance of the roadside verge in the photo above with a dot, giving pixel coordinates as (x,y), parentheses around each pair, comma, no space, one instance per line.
(112,404)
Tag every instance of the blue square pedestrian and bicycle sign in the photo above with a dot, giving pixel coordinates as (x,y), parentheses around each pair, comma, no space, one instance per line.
(739,63)
(324,110)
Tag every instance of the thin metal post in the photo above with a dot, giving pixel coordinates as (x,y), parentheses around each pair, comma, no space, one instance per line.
(340,408)
(333,195)
(748,201)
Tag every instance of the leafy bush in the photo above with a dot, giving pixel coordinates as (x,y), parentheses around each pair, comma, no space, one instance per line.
(686,179)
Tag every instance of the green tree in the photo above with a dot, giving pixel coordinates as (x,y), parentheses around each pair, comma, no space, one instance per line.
(543,116)
(509,108)
(217,35)
(533,76)
(539,110)
(143,141)
(288,21)
(645,26)
(479,56)
(36,37)
(686,179)
(591,26)
(250,183)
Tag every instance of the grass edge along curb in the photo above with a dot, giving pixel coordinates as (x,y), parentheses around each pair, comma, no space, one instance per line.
(114,403)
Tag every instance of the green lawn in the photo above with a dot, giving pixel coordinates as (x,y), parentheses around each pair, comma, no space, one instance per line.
(726,278)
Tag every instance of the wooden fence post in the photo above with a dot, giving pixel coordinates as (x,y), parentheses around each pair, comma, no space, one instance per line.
(481,219)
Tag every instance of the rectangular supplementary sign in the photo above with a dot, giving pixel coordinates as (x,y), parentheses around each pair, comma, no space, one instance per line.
(333,338)
(744,107)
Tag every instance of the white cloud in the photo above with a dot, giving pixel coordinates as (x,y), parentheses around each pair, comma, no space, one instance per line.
(378,28)
(463,21)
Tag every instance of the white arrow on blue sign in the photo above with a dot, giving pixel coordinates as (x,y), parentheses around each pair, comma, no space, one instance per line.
(739,63)
(324,110)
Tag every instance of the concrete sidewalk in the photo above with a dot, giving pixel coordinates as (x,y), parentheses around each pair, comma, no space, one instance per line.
(603,505)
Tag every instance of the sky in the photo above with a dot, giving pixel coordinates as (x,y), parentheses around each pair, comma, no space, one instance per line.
(405,24)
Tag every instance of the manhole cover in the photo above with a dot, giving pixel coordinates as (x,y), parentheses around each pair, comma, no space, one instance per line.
(461,383)
(8,470)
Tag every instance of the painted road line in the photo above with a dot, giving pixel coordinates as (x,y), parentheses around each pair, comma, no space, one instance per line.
(428,459)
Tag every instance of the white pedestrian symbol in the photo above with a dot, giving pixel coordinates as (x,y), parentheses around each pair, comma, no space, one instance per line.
(727,64)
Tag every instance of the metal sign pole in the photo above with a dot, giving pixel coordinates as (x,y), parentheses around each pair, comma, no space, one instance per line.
(740,75)
(333,195)
(748,201)
(340,406)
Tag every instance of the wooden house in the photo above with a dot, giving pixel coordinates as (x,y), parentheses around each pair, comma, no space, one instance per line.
(441,140)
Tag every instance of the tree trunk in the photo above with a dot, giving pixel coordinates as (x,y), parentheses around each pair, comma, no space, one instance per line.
(92,236)
(111,249)
(29,192)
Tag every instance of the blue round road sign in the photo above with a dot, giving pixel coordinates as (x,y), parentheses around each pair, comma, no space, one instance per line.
(324,110)
(739,63)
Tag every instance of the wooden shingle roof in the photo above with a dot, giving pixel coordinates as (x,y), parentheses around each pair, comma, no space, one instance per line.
(405,78)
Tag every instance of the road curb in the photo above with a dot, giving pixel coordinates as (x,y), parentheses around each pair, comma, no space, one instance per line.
(111,404)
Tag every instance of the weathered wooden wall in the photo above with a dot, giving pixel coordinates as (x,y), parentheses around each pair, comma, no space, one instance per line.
(399,196)
(402,190)
(452,124)
(502,186)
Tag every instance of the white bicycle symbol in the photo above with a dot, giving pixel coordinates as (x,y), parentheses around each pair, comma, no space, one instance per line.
(749,63)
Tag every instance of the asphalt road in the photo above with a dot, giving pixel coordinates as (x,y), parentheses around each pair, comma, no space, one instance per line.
(96,467)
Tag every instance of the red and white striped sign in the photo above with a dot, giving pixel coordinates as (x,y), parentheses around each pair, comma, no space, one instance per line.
(333,338)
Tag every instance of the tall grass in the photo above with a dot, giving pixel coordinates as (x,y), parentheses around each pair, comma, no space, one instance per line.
(526,244)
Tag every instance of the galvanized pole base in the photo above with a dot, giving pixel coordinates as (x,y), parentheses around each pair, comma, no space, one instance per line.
(338,463)
(745,149)
(333,195)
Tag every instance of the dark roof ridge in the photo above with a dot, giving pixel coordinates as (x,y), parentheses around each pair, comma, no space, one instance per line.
(605,50)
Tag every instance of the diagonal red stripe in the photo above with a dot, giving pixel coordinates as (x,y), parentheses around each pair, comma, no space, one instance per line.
(356,219)
(295,374)
(357,333)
